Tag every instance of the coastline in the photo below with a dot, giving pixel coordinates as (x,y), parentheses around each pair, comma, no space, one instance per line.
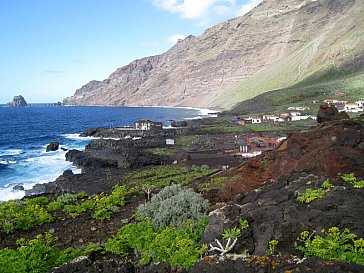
(9,193)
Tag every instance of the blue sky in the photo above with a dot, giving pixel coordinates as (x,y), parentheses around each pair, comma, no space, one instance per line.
(50,48)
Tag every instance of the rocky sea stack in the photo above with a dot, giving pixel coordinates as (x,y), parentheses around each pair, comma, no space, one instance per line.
(18,101)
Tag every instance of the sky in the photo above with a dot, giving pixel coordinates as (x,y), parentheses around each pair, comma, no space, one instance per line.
(50,48)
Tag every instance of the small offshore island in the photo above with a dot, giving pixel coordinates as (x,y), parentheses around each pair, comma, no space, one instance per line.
(18,101)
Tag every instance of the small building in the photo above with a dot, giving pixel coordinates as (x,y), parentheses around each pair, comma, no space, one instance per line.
(297,118)
(241,122)
(300,108)
(255,119)
(148,125)
(336,102)
(272,118)
(295,114)
(352,107)
(285,116)
(169,141)
(360,103)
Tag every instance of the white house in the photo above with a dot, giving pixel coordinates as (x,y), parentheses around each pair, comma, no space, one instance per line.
(255,119)
(360,103)
(272,118)
(148,125)
(295,114)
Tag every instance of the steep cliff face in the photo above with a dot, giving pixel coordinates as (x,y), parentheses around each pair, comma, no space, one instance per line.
(276,45)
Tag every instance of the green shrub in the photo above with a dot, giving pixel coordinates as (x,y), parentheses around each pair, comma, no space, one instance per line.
(175,246)
(310,194)
(15,215)
(174,205)
(350,178)
(333,245)
(34,256)
(67,198)
(55,205)
(272,247)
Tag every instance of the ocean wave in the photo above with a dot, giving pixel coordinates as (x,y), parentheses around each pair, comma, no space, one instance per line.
(11,152)
(77,137)
(9,193)
(8,162)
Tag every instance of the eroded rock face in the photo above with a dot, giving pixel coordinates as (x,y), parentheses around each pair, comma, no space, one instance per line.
(18,101)
(330,113)
(258,52)
(274,212)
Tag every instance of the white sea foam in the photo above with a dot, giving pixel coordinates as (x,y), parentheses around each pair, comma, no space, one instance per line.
(8,162)
(40,168)
(11,152)
(78,137)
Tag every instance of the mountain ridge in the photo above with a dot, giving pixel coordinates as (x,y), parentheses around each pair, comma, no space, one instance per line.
(276,45)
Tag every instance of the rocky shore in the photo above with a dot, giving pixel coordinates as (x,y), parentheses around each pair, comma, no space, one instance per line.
(267,192)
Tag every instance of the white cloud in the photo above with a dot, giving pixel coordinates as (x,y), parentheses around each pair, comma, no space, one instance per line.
(201,10)
(245,8)
(174,38)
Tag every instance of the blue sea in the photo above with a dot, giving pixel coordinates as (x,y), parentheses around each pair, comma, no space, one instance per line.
(26,131)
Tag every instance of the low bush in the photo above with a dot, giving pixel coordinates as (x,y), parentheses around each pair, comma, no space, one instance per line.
(35,256)
(312,194)
(175,246)
(15,215)
(174,206)
(333,245)
(350,178)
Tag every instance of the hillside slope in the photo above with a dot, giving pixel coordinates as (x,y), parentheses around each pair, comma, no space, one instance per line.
(275,46)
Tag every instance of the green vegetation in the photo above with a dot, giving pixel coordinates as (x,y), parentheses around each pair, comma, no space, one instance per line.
(37,255)
(244,223)
(272,247)
(103,205)
(175,246)
(225,129)
(319,86)
(333,245)
(211,183)
(170,228)
(162,151)
(350,178)
(158,177)
(174,206)
(265,127)
(310,194)
(23,215)
(231,233)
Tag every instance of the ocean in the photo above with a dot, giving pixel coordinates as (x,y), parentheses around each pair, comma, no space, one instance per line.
(26,131)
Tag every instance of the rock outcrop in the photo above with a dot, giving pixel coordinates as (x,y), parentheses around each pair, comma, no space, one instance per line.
(329,113)
(277,44)
(53,146)
(18,101)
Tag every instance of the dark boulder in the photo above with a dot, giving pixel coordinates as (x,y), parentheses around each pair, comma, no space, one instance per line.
(53,146)
(18,187)
(330,113)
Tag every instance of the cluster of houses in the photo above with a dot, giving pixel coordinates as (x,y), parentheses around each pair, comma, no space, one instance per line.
(347,106)
(276,119)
